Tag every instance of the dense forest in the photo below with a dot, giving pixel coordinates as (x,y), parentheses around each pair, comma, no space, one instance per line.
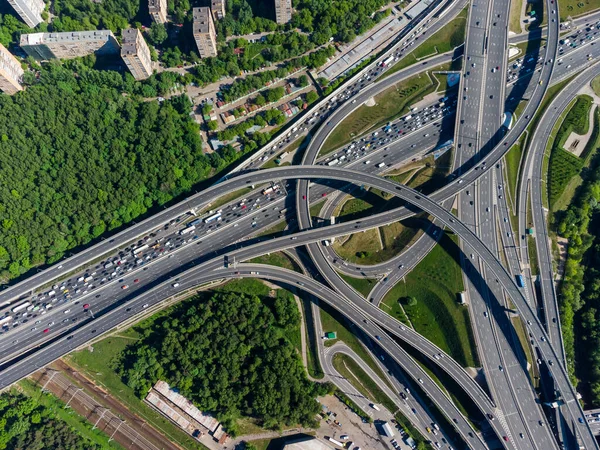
(81,153)
(343,19)
(229,353)
(27,425)
(579,298)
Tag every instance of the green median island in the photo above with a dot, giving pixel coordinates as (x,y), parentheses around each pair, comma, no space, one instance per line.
(384,107)
(233,351)
(430,295)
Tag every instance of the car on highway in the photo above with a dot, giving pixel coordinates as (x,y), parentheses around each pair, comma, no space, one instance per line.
(125,287)
(46,330)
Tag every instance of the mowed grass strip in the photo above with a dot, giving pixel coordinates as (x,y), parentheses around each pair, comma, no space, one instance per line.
(362,285)
(331,320)
(97,365)
(376,245)
(278,259)
(436,283)
(449,37)
(349,369)
(69,416)
(389,104)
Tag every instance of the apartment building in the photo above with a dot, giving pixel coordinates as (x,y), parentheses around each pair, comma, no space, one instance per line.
(10,72)
(71,44)
(218,8)
(204,32)
(136,54)
(158,10)
(30,11)
(283,11)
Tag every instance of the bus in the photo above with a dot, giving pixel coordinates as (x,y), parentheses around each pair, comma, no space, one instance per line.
(187,230)
(520,281)
(20,307)
(140,249)
(213,218)
(5,321)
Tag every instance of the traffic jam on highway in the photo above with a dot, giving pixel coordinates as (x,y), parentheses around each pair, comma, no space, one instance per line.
(66,302)
(392,131)
(178,233)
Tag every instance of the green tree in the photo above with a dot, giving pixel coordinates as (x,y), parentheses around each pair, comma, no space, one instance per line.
(302,81)
(158,33)
(311,97)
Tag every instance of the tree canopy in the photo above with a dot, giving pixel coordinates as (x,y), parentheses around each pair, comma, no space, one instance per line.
(228,355)
(81,154)
(26,424)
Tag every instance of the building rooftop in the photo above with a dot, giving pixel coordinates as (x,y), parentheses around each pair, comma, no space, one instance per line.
(129,46)
(154,5)
(201,20)
(69,36)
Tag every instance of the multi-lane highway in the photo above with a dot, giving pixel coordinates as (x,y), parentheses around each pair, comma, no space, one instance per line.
(81,304)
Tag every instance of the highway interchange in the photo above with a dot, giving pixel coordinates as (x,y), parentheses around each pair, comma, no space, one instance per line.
(480,143)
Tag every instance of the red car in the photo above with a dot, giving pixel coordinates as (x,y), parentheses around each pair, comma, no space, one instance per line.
(244,206)
(46,330)
(86,306)
(323,194)
(505,438)
(304,197)
(136,280)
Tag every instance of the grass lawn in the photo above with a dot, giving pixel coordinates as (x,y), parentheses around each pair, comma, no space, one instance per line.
(315,209)
(279,227)
(312,359)
(362,243)
(596,85)
(97,365)
(513,162)
(435,283)
(261,444)
(565,167)
(69,416)
(449,37)
(577,8)
(301,142)
(366,247)
(564,200)
(514,23)
(362,285)
(349,369)
(390,104)
(278,259)
(331,320)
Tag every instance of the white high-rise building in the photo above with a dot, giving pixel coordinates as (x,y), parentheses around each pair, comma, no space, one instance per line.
(204,32)
(11,72)
(71,44)
(30,11)
(136,54)
(218,8)
(158,10)
(283,11)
